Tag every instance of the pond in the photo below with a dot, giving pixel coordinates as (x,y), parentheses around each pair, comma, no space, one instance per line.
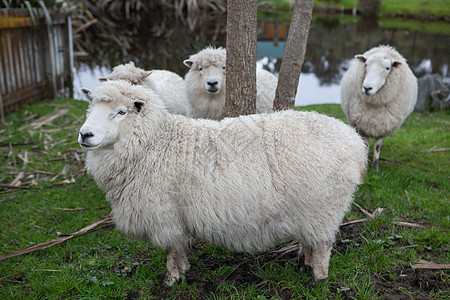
(160,42)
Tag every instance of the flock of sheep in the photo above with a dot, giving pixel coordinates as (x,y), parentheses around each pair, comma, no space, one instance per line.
(173,169)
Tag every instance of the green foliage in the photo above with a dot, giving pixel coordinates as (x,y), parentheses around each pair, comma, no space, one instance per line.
(412,186)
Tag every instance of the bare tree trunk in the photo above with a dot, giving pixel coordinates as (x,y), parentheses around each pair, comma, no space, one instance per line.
(294,55)
(241,58)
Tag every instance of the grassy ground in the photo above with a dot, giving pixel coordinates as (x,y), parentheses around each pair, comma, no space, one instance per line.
(418,8)
(53,197)
(403,7)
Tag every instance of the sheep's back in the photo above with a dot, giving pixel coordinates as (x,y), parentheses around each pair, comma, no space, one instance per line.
(266,179)
(171,88)
(266,85)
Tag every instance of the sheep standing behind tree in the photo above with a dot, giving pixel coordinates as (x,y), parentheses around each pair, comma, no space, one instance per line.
(378,92)
(245,183)
(168,85)
(206,84)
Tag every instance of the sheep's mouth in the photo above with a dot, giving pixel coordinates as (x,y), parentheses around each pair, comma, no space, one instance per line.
(213,91)
(88,146)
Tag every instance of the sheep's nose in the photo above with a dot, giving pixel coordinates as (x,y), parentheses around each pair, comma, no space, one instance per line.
(212,83)
(366,89)
(86,135)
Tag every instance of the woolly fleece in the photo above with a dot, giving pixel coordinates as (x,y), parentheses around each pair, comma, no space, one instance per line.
(246,183)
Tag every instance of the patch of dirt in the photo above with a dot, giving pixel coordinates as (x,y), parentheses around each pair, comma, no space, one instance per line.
(243,269)
(410,284)
(348,236)
(390,284)
(133,294)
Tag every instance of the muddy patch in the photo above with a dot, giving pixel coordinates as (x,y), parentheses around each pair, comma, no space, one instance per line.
(410,284)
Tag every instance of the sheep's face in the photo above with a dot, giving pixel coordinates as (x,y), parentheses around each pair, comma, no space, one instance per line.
(378,67)
(212,74)
(102,126)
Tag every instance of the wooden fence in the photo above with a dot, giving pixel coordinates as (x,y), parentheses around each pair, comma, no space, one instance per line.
(36,57)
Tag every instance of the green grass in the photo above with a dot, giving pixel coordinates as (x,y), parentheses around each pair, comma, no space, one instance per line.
(412,186)
(397,7)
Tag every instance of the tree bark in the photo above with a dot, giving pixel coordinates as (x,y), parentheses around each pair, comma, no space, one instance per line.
(294,55)
(241,58)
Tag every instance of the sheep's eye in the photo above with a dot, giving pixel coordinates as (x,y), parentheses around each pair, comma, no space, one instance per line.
(388,68)
(134,82)
(200,68)
(223,67)
(121,112)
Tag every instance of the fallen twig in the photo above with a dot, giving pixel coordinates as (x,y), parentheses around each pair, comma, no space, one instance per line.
(435,150)
(367,213)
(58,241)
(423,264)
(9,198)
(375,214)
(16,181)
(4,278)
(11,152)
(354,222)
(80,208)
(407,197)
(46,119)
(416,225)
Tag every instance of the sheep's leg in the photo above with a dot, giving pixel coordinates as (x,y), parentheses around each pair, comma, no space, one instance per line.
(182,262)
(177,265)
(308,257)
(319,260)
(173,272)
(376,153)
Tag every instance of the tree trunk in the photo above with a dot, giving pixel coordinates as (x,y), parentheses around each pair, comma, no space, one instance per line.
(369,8)
(294,55)
(241,58)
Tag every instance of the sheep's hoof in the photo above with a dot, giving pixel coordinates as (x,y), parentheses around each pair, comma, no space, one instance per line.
(375,166)
(312,283)
(170,280)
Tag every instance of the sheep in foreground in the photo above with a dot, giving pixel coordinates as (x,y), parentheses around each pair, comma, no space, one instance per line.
(206,84)
(378,92)
(168,85)
(245,183)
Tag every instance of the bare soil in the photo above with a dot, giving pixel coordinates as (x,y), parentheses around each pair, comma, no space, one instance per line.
(390,284)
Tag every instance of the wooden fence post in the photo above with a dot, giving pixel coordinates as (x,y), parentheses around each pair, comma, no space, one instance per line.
(70,55)
(52,90)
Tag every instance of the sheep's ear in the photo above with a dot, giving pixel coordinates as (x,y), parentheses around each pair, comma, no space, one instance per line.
(103,79)
(87,93)
(188,63)
(360,57)
(396,63)
(139,105)
(146,74)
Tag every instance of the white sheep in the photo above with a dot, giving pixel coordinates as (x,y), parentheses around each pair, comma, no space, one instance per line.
(206,84)
(168,85)
(245,183)
(378,92)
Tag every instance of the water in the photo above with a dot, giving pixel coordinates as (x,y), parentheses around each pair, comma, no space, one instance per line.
(332,43)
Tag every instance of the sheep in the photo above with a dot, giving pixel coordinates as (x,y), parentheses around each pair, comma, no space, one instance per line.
(206,84)
(245,183)
(378,92)
(170,86)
